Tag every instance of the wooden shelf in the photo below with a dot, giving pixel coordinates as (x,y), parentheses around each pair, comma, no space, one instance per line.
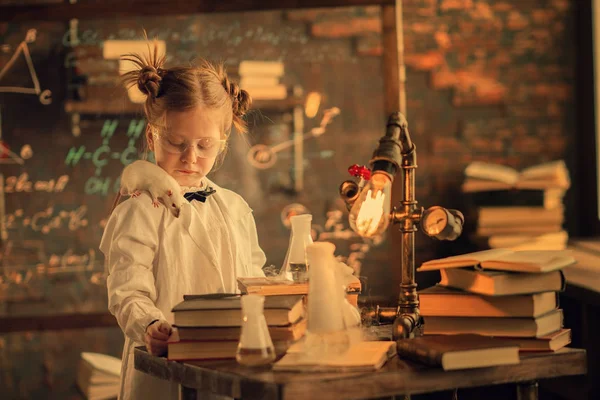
(121,105)
(111,9)
(57,322)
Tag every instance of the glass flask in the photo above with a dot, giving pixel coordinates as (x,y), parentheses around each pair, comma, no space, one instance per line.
(255,346)
(326,331)
(295,266)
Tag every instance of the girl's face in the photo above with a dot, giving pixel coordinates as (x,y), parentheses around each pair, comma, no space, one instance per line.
(189,145)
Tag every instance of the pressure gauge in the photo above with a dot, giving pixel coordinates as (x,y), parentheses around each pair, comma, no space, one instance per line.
(441,223)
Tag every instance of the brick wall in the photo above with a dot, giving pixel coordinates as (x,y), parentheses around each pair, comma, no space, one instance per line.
(486,80)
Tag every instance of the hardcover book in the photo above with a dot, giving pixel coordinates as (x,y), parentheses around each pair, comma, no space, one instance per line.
(500,283)
(291,332)
(464,351)
(441,301)
(552,342)
(509,326)
(225,310)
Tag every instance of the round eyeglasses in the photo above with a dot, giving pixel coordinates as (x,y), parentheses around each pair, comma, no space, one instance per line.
(206,147)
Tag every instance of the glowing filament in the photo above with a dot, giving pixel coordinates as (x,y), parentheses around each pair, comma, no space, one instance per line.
(370,213)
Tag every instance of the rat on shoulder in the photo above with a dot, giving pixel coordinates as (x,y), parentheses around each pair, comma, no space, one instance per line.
(146,176)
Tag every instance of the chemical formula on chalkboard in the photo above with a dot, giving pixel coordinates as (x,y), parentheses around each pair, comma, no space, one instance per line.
(102,155)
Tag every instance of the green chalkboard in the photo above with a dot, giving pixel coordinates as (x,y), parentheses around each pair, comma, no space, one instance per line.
(68,129)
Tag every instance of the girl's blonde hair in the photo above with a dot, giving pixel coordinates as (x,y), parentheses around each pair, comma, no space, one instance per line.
(184,88)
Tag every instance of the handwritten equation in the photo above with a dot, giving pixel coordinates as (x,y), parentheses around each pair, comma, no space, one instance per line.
(22,183)
(15,272)
(47,220)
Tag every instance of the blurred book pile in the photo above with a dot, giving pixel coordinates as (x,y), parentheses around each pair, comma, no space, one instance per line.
(209,326)
(517,210)
(500,293)
(262,79)
(98,376)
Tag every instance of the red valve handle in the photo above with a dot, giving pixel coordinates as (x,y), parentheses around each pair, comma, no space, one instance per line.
(360,171)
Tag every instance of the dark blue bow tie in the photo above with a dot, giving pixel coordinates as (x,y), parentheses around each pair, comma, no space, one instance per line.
(200,195)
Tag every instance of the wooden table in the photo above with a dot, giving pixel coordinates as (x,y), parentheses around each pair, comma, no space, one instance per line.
(581,304)
(397,377)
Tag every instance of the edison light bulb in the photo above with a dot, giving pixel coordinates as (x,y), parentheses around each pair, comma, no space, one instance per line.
(370,214)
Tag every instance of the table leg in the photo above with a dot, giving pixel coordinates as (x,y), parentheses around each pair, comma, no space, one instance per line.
(527,390)
(188,393)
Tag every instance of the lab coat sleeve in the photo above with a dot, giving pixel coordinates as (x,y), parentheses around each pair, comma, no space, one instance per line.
(129,244)
(258,255)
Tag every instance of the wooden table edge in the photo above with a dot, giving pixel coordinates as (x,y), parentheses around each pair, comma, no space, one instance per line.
(385,382)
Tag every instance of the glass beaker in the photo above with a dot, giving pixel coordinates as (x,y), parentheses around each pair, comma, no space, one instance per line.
(326,332)
(295,266)
(255,346)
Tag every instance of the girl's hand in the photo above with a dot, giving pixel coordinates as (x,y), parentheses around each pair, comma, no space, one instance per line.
(156,337)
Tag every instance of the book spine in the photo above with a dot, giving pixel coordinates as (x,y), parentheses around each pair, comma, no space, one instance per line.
(419,354)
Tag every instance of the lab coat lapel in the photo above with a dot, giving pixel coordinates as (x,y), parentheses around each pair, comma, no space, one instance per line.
(233,207)
(199,232)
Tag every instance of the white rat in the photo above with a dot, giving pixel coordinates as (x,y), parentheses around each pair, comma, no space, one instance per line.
(143,175)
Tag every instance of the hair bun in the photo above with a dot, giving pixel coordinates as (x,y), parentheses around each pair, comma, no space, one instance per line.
(149,81)
(240,99)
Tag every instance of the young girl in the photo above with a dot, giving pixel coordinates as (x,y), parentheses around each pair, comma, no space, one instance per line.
(155,256)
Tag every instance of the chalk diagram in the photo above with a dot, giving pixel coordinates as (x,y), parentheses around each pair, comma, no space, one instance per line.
(45,96)
(262,156)
(7,156)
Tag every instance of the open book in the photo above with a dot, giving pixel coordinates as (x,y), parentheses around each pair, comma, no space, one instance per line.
(506,260)
(362,356)
(481,176)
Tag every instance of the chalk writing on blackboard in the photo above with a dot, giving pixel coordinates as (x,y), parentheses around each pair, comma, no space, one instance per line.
(45,264)
(26,152)
(71,262)
(104,153)
(263,157)
(45,96)
(47,220)
(21,183)
(101,156)
(7,156)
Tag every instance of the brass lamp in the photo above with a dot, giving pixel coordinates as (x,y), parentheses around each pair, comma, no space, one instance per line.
(370,215)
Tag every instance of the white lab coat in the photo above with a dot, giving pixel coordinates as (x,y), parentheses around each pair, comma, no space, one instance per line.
(154,258)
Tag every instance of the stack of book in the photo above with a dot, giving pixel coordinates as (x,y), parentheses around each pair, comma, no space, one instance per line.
(98,376)
(518,210)
(500,293)
(209,326)
(262,79)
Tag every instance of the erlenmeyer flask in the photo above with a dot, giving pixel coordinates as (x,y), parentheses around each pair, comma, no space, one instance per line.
(255,346)
(295,266)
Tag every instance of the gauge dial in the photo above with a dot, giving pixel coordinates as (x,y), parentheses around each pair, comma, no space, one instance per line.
(434,221)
